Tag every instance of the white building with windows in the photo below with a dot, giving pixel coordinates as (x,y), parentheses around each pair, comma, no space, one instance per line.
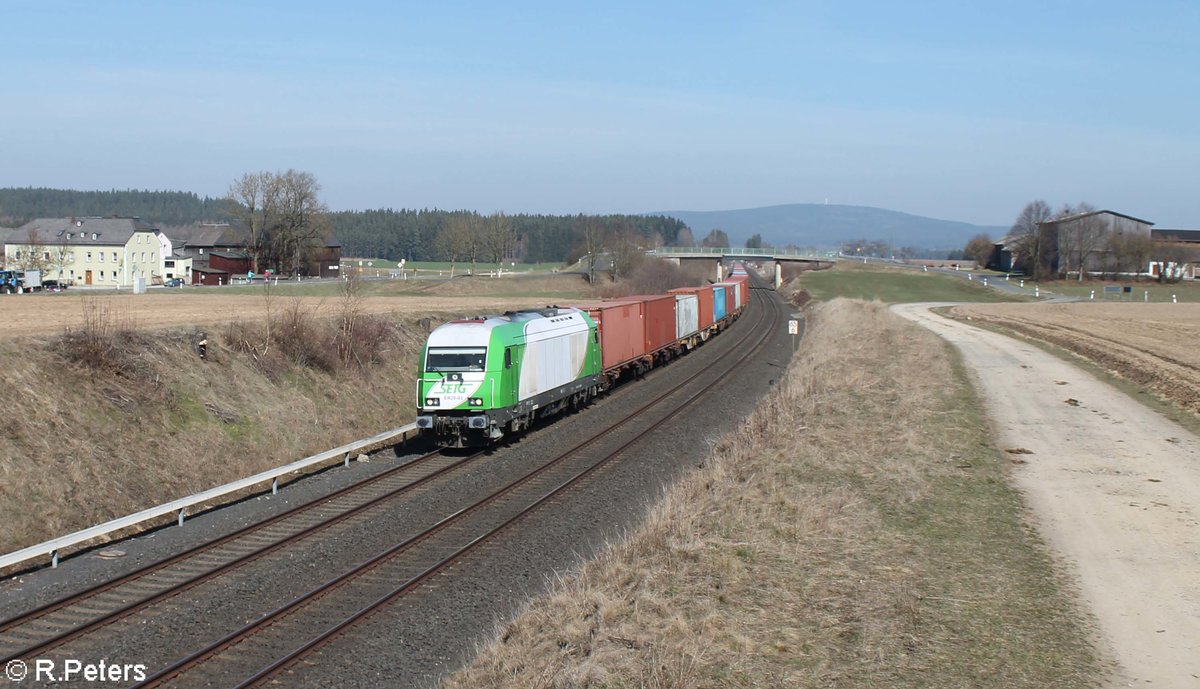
(103,252)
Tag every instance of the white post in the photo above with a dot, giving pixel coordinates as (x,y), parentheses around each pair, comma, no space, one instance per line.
(1174,299)
(1022,283)
(1036,291)
(1093,295)
(1146,296)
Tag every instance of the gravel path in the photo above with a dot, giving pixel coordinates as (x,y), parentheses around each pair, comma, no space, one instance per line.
(1114,488)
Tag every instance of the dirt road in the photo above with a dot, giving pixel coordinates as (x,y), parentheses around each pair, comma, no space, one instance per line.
(1113,487)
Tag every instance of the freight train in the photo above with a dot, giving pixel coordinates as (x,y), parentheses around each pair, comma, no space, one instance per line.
(482,378)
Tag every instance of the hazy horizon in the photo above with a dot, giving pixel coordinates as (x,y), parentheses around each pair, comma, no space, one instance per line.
(940,110)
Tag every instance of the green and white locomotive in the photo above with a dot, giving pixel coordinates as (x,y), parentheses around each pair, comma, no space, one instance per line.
(485,377)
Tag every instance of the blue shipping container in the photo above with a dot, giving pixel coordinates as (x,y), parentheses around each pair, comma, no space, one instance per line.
(718,303)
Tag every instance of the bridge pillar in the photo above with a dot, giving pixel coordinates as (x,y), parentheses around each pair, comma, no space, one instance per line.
(720,271)
(778,274)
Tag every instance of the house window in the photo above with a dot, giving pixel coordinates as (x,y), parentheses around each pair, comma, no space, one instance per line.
(100,255)
(70,257)
(114,257)
(95,236)
(143,255)
(89,257)
(46,255)
(17,255)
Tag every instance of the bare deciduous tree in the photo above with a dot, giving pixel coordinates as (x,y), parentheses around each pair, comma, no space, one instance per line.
(1031,250)
(283,216)
(593,242)
(979,249)
(33,253)
(452,239)
(622,244)
(500,238)
(685,238)
(1079,237)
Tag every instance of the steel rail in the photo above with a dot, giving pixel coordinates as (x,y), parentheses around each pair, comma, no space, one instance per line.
(179,506)
(265,620)
(211,573)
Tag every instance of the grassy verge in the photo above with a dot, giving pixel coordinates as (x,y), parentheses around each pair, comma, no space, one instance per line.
(106,419)
(859,531)
(895,286)
(1144,291)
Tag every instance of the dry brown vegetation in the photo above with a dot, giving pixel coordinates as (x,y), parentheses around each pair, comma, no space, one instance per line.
(857,532)
(107,419)
(1156,346)
(653,276)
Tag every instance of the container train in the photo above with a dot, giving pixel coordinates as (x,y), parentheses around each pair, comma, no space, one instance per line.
(480,379)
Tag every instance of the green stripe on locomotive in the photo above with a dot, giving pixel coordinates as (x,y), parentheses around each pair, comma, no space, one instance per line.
(499,386)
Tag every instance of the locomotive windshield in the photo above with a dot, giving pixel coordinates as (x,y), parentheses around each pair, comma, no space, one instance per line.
(455,359)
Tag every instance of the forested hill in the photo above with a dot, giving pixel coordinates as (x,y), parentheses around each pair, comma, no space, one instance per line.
(20,205)
(390,234)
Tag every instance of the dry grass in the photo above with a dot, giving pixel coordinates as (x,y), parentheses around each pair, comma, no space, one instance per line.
(857,532)
(107,420)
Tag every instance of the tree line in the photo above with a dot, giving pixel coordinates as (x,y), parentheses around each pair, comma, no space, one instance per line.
(1044,247)
(282,213)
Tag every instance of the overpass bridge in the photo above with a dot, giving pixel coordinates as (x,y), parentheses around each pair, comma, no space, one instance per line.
(740,254)
(722,255)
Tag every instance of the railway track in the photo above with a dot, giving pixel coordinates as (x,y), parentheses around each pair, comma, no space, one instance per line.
(263,647)
(49,626)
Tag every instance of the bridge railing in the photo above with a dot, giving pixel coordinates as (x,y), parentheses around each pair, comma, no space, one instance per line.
(731,251)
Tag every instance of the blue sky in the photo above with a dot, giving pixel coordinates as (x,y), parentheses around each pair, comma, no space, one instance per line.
(944,109)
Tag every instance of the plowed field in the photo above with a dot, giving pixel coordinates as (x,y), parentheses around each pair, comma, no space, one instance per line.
(1153,345)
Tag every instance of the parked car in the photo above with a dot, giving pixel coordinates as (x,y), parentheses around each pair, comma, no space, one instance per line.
(173,282)
(54,285)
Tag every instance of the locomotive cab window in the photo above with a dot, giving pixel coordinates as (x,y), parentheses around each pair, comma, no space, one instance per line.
(508,357)
(455,359)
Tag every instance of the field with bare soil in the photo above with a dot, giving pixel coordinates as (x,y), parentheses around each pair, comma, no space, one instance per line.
(50,314)
(1156,346)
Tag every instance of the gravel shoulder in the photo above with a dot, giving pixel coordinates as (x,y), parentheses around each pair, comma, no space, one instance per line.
(1111,485)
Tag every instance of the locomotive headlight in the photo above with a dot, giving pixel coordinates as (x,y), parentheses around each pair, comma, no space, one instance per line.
(432,402)
(476,402)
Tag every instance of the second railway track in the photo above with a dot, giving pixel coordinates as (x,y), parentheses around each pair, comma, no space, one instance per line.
(274,640)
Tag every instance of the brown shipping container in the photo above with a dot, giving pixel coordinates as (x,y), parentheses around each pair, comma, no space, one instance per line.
(622,337)
(705,296)
(660,318)
(743,284)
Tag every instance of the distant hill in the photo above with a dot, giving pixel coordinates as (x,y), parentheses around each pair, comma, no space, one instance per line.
(827,226)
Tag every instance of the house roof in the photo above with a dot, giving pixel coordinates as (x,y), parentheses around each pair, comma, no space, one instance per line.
(1176,235)
(79,231)
(232,255)
(210,271)
(207,235)
(1077,216)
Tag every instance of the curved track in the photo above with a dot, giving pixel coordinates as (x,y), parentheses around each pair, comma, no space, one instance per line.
(273,641)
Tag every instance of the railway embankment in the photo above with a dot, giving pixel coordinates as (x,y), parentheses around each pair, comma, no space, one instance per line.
(108,418)
(859,530)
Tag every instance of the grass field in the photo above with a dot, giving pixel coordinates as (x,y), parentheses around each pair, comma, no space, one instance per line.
(895,286)
(1141,291)
(859,531)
